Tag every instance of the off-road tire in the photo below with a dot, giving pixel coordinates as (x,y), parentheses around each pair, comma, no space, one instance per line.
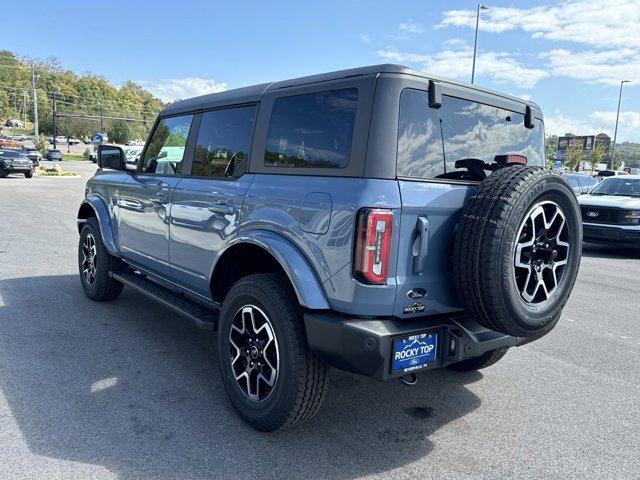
(301,381)
(483,361)
(28,174)
(104,286)
(484,244)
(3,173)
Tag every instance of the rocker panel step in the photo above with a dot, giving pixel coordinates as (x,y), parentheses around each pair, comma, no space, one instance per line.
(200,316)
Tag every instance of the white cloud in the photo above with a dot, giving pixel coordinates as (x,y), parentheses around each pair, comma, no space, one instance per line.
(502,67)
(613,23)
(628,120)
(596,122)
(365,38)
(180,88)
(607,67)
(411,27)
(559,124)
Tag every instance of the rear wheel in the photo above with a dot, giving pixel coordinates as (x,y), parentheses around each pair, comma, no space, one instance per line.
(476,363)
(268,370)
(95,263)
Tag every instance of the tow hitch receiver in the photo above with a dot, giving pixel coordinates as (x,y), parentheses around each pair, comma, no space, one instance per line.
(410,379)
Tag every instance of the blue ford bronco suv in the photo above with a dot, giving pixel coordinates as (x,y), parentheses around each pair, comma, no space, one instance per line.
(378,220)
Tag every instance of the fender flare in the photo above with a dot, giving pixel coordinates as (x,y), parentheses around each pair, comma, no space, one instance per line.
(306,285)
(102,214)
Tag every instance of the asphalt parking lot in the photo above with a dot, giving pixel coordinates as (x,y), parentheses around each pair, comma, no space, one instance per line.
(128,390)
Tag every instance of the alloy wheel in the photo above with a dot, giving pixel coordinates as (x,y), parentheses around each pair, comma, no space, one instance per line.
(253,352)
(541,252)
(89,257)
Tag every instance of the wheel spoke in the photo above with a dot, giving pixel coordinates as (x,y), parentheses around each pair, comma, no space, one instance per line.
(541,252)
(253,352)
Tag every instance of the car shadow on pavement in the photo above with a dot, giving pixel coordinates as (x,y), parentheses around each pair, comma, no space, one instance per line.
(129,386)
(609,251)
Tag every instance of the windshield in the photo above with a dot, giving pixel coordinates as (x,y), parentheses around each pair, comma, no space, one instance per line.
(621,187)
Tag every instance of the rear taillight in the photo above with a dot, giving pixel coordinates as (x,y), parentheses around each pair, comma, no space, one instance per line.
(373,245)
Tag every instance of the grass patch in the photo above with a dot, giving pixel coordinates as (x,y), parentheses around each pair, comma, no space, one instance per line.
(77,157)
(54,171)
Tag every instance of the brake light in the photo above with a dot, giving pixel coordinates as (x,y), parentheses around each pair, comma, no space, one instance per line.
(510,159)
(373,245)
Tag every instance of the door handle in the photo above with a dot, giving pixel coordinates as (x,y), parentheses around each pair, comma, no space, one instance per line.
(420,247)
(222,208)
(158,199)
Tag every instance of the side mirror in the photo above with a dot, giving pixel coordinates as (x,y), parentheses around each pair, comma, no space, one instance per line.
(111,156)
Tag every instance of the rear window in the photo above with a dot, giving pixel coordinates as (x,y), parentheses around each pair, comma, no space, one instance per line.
(313,130)
(431,140)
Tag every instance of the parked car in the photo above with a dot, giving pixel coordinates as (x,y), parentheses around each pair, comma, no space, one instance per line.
(73,141)
(14,123)
(317,221)
(12,161)
(53,155)
(610,173)
(611,211)
(33,154)
(59,139)
(580,183)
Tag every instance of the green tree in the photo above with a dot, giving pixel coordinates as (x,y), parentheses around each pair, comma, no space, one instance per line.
(618,161)
(574,155)
(41,144)
(119,131)
(597,155)
(551,144)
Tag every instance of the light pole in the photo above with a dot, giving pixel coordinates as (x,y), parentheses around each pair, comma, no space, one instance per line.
(615,132)
(475,42)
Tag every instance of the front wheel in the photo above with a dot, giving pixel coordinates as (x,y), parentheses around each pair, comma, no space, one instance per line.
(268,370)
(28,174)
(95,263)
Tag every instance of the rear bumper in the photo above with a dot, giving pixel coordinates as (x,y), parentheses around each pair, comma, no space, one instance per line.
(611,233)
(365,345)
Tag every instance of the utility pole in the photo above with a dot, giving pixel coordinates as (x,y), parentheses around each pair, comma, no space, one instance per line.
(35,104)
(615,133)
(101,120)
(55,133)
(475,42)
(24,108)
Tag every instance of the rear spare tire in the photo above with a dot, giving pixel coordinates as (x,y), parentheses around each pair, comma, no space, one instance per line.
(517,250)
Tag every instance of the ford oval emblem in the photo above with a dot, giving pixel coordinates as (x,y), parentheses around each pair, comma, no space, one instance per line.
(592,214)
(416,293)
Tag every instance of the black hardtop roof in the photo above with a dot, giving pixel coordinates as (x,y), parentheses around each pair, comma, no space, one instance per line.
(254,93)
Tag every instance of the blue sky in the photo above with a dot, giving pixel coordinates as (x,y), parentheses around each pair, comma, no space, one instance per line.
(568,56)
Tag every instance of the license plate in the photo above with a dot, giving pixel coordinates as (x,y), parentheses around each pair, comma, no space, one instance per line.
(414,352)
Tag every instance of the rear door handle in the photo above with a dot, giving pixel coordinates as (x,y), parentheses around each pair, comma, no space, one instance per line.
(420,247)
(222,208)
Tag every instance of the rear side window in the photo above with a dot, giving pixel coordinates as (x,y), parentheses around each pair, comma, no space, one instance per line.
(313,130)
(431,140)
(166,148)
(223,142)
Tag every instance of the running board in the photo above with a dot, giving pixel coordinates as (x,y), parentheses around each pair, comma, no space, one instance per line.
(201,316)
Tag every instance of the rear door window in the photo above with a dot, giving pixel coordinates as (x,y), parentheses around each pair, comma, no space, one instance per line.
(165,152)
(430,141)
(223,142)
(313,130)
